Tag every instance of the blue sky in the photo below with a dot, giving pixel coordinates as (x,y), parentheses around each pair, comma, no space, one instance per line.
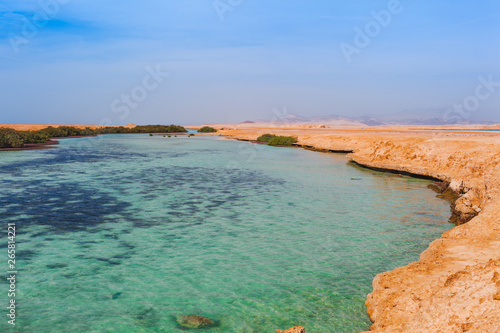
(73,61)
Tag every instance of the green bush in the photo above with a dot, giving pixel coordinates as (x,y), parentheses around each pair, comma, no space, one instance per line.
(139,129)
(207,129)
(158,129)
(282,141)
(266,137)
(10,138)
(33,136)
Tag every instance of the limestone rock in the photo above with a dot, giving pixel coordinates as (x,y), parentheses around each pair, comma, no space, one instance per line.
(194,321)
(456,186)
(439,187)
(466,207)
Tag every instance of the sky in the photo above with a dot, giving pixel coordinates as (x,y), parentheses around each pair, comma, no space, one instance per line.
(205,61)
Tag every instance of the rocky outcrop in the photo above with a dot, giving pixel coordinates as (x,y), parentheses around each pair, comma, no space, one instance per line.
(465,300)
(194,321)
(296,329)
(466,207)
(465,203)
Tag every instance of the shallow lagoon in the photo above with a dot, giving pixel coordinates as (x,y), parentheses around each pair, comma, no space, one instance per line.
(122,233)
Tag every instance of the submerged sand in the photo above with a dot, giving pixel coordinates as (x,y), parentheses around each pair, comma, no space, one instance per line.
(455,286)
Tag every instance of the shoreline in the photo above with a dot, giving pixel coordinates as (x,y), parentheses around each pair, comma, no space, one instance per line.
(397,172)
(455,285)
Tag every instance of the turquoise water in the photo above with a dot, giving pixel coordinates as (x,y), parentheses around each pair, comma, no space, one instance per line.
(123,233)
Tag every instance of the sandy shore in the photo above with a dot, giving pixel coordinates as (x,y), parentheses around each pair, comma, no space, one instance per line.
(455,286)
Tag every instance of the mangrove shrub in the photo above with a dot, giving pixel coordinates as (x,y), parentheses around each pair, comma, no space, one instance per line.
(207,129)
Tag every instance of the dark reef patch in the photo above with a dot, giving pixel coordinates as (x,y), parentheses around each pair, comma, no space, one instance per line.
(24,255)
(147,317)
(66,205)
(109,261)
(116,295)
(77,208)
(57,265)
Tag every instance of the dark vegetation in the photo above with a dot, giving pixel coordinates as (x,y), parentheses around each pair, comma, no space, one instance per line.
(276,140)
(282,141)
(207,129)
(265,137)
(10,138)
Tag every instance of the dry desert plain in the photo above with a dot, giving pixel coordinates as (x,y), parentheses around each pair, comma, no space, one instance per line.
(455,286)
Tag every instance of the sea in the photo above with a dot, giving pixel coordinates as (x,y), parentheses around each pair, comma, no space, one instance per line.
(130,232)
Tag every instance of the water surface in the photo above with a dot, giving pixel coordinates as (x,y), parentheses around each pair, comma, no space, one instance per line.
(122,233)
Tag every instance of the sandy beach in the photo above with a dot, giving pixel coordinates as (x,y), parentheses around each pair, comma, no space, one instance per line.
(455,286)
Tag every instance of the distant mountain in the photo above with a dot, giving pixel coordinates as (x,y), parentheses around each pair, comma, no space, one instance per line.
(438,117)
(332,120)
(290,118)
(430,116)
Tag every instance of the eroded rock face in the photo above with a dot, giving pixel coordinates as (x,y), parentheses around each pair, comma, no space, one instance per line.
(466,207)
(194,321)
(471,296)
(465,203)
(296,329)
(439,187)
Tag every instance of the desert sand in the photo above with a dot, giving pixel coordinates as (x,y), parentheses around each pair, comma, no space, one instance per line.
(455,286)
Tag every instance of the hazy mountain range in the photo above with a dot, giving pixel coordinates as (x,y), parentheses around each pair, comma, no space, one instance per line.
(406,117)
